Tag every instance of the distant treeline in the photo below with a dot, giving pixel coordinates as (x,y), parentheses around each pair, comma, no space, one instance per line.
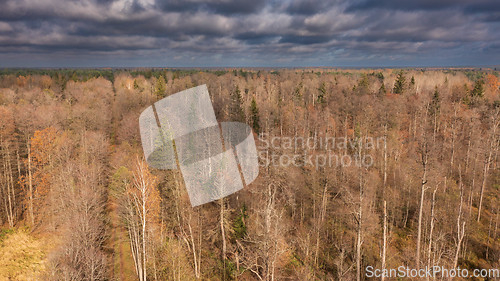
(84,74)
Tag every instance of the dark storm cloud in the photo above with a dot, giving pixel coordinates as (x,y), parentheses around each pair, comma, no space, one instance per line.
(216,6)
(305,40)
(483,7)
(406,5)
(255,38)
(258,32)
(176,27)
(489,11)
(308,7)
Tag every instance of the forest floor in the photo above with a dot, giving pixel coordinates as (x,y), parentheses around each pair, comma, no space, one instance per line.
(22,255)
(123,265)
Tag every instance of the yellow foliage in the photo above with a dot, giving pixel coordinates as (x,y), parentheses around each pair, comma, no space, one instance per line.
(22,257)
(492,81)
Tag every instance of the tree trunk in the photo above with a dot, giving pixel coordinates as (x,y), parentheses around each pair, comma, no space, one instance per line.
(9,207)
(431,231)
(359,238)
(385,161)
(30,188)
(384,246)
(420,211)
(488,243)
(143,192)
(460,224)
(321,221)
(359,243)
(223,234)
(487,163)
(483,185)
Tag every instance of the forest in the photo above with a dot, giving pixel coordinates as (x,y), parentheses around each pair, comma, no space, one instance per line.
(79,202)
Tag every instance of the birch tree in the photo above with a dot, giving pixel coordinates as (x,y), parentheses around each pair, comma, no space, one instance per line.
(142,212)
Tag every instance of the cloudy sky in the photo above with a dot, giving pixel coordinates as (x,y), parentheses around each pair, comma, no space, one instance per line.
(87,33)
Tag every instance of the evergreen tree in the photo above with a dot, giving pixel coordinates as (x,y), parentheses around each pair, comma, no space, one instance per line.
(298,91)
(399,84)
(435,103)
(254,111)
(322,93)
(160,87)
(478,89)
(235,110)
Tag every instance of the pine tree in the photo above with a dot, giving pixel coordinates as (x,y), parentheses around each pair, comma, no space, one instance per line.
(160,87)
(363,85)
(399,84)
(322,93)
(235,110)
(435,103)
(478,89)
(254,111)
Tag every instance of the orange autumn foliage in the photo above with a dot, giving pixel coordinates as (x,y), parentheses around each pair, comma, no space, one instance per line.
(492,81)
(492,87)
(43,145)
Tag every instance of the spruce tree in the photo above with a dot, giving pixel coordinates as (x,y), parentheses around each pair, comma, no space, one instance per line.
(478,89)
(254,111)
(435,102)
(400,83)
(322,93)
(160,87)
(235,110)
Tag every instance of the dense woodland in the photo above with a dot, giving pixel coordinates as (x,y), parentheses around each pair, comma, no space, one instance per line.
(73,178)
